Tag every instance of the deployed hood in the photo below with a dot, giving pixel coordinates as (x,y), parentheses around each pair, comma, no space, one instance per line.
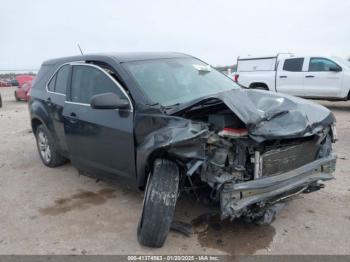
(269,115)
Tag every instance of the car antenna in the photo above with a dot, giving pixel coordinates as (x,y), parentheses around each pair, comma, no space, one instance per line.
(81,51)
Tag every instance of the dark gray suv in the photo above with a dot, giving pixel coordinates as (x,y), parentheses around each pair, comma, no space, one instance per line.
(170,124)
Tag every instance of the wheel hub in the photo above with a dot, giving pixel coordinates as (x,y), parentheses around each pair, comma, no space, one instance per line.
(44,147)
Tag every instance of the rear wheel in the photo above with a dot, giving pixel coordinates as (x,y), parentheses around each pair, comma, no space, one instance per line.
(17,99)
(159,204)
(47,149)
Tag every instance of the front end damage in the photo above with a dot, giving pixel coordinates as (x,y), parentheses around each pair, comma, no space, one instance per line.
(248,160)
(248,178)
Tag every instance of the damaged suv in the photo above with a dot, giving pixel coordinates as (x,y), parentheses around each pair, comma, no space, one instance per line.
(171,124)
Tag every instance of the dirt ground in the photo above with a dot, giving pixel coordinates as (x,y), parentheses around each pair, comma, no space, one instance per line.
(56,211)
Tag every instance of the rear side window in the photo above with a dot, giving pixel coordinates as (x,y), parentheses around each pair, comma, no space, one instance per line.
(293,64)
(59,81)
(88,81)
(62,80)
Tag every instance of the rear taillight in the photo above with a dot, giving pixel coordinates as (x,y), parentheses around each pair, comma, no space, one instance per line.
(235,77)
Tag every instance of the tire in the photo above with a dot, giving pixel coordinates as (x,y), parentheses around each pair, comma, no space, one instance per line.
(47,148)
(0,101)
(158,204)
(17,99)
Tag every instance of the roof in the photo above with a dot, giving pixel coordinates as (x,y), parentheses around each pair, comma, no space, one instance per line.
(119,57)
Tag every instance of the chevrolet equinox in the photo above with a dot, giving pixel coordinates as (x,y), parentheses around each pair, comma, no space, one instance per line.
(170,124)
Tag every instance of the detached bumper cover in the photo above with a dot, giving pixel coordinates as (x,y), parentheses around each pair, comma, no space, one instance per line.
(235,198)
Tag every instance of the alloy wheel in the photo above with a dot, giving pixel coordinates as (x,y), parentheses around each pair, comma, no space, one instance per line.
(44,147)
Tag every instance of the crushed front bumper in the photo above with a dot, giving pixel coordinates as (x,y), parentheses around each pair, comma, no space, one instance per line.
(235,198)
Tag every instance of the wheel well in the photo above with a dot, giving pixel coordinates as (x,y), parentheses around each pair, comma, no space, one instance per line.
(159,153)
(35,123)
(258,84)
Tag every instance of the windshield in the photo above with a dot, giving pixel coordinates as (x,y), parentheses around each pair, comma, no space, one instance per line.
(177,80)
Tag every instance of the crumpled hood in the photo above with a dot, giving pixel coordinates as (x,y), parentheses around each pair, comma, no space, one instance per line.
(270,115)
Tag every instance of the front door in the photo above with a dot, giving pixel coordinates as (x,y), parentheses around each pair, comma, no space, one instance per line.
(320,81)
(98,139)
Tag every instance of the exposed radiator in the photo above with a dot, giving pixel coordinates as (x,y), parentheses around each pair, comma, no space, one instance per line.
(277,161)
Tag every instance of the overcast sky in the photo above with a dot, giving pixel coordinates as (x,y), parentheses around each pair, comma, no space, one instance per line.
(216,31)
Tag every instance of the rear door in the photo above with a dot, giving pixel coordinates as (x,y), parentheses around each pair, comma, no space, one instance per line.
(99,140)
(289,78)
(320,81)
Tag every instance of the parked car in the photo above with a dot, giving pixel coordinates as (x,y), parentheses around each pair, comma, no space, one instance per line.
(21,79)
(169,123)
(22,92)
(3,83)
(13,82)
(316,77)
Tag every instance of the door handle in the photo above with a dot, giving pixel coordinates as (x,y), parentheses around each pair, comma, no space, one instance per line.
(309,76)
(73,115)
(283,76)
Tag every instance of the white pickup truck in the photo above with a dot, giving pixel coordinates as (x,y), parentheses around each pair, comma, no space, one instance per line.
(308,76)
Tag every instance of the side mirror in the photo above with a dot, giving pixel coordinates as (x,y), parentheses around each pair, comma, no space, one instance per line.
(335,69)
(108,101)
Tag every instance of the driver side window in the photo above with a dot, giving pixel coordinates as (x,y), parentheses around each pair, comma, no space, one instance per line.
(321,64)
(88,81)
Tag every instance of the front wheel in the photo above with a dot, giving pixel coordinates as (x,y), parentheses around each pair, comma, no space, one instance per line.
(159,204)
